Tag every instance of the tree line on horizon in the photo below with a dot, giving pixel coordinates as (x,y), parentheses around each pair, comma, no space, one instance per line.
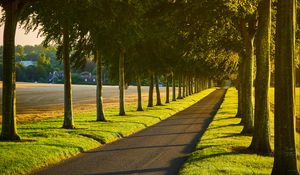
(189,41)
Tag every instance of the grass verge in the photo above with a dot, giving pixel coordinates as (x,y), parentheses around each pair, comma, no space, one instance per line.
(222,148)
(45,143)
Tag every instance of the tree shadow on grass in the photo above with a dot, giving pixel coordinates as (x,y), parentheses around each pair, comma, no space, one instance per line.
(225,136)
(227,118)
(223,126)
(19,141)
(235,151)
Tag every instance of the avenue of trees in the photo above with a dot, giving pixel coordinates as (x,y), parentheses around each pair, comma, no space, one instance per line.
(187,43)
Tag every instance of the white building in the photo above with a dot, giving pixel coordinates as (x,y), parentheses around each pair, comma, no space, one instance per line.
(28,63)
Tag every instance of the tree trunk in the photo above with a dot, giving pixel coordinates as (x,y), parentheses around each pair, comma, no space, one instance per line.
(184,86)
(167,90)
(122,82)
(179,87)
(158,99)
(150,98)
(239,87)
(9,128)
(242,86)
(68,117)
(139,90)
(190,86)
(285,161)
(99,98)
(248,37)
(261,136)
(187,87)
(173,88)
(196,85)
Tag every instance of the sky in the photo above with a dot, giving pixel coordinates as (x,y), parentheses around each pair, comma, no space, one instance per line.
(23,39)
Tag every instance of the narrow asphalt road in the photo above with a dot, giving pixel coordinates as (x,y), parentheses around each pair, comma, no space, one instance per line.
(159,149)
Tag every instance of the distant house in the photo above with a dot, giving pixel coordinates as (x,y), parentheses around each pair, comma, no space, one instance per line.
(28,63)
(87,77)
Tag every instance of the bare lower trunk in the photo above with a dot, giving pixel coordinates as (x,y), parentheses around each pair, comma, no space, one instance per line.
(239,88)
(196,85)
(261,136)
(9,128)
(191,86)
(139,90)
(285,161)
(122,82)
(167,90)
(158,99)
(173,88)
(187,87)
(68,117)
(248,119)
(150,97)
(179,88)
(184,86)
(99,98)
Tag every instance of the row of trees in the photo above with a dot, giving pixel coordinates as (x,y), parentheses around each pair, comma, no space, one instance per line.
(189,40)
(121,36)
(245,28)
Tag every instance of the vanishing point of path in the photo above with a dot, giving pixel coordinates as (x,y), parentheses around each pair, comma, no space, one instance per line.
(159,149)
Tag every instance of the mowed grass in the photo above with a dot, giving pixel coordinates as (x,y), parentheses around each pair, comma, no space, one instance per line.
(45,142)
(222,150)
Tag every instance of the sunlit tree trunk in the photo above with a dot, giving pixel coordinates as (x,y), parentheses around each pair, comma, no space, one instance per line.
(285,161)
(139,90)
(9,128)
(261,136)
(150,96)
(248,32)
(173,88)
(158,99)
(167,90)
(122,81)
(99,98)
(68,117)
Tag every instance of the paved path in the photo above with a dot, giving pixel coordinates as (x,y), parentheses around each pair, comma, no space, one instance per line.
(159,149)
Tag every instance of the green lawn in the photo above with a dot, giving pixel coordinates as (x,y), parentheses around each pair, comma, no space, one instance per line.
(222,150)
(45,143)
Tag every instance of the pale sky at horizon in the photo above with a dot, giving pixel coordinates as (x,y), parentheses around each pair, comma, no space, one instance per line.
(22,38)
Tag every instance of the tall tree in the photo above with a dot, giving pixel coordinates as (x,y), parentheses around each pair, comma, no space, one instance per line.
(158,99)
(150,96)
(13,10)
(99,97)
(139,89)
(68,102)
(173,88)
(167,89)
(122,82)
(59,24)
(285,159)
(248,30)
(261,136)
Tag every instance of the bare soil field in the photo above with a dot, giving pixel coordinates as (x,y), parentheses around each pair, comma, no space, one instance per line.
(39,101)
